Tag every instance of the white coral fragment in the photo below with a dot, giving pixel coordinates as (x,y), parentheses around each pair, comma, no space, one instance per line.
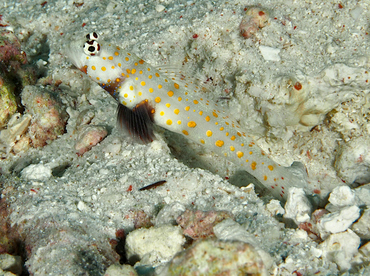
(38,172)
(338,221)
(297,207)
(340,248)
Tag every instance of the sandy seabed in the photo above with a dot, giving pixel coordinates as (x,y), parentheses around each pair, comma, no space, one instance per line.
(299,84)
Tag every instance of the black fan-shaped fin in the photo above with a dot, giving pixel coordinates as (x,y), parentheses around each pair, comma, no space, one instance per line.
(138,121)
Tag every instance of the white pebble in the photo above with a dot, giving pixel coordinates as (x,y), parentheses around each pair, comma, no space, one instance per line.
(297,207)
(342,196)
(82,206)
(362,226)
(340,248)
(274,208)
(270,53)
(159,8)
(38,172)
(338,221)
(156,244)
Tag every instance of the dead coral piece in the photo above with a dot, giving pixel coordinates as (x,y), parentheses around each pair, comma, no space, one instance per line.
(155,245)
(217,258)
(254,19)
(199,224)
(352,162)
(10,263)
(10,240)
(88,137)
(11,137)
(13,70)
(10,50)
(141,219)
(49,117)
(8,103)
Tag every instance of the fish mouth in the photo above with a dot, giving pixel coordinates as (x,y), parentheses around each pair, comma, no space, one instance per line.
(74,52)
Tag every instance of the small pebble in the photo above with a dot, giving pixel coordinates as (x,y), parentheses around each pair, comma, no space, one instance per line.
(159,8)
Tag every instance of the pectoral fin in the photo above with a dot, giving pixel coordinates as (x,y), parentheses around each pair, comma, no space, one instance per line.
(138,121)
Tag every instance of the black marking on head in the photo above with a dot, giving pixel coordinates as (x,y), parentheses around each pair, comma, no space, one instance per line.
(91,47)
(92,36)
(139,121)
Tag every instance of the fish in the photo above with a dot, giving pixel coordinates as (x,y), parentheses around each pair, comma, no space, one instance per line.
(149,95)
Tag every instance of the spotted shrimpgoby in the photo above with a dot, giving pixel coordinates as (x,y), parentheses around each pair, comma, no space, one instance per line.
(148,95)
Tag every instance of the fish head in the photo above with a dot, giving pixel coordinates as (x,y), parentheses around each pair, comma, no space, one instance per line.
(97,59)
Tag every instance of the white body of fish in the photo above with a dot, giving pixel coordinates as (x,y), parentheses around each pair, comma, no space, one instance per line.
(145,92)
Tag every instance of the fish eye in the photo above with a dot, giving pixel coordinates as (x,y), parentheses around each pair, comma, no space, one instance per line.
(91,47)
(92,36)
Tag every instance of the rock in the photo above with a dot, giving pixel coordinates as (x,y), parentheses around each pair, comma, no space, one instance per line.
(362,226)
(213,257)
(8,103)
(12,137)
(6,273)
(274,207)
(338,221)
(156,244)
(297,207)
(353,160)
(230,230)
(37,172)
(362,259)
(365,251)
(199,224)
(49,117)
(340,248)
(10,50)
(254,19)
(11,263)
(120,270)
(14,74)
(89,137)
(363,195)
(169,213)
(342,196)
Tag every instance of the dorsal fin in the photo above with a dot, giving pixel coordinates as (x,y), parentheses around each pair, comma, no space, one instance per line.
(187,79)
(138,121)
